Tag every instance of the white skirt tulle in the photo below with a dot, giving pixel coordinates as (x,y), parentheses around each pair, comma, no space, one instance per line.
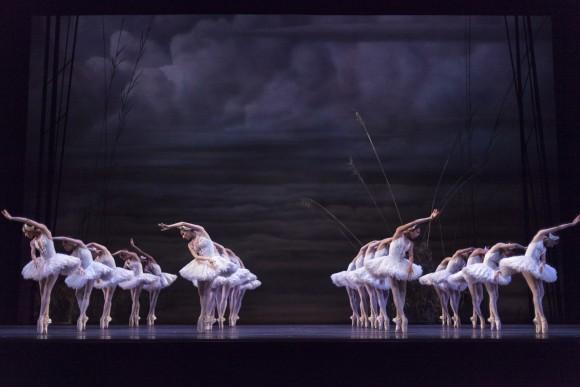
(482,273)
(239,277)
(33,270)
(80,277)
(456,281)
(339,279)
(251,285)
(524,264)
(394,267)
(59,264)
(361,277)
(115,277)
(202,270)
(427,279)
(139,280)
(164,280)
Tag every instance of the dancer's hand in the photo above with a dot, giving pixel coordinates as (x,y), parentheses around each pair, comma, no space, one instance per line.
(575,221)
(434,214)
(6,214)
(163,226)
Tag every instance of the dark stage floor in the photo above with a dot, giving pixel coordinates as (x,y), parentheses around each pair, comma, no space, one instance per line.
(297,355)
(335,333)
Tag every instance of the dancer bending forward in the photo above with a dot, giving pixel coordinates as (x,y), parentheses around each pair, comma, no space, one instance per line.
(397,269)
(535,270)
(45,268)
(206,265)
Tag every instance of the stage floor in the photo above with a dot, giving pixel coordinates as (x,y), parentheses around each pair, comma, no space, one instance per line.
(336,333)
(290,355)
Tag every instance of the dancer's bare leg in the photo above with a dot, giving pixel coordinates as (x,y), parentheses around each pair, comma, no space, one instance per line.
(541,292)
(86,301)
(473,293)
(446,301)
(454,297)
(354,305)
(396,290)
(153,296)
(403,295)
(372,303)
(493,292)
(383,297)
(137,305)
(132,316)
(538,310)
(49,285)
(363,319)
(201,288)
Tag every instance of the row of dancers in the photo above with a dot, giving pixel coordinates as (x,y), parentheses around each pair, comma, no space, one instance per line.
(387,265)
(216,271)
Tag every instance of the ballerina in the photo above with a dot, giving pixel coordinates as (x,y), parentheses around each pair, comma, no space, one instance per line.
(237,293)
(227,288)
(454,265)
(459,282)
(535,270)
(397,269)
(340,279)
(371,285)
(46,268)
(488,274)
(136,283)
(83,278)
(440,290)
(108,283)
(163,280)
(206,265)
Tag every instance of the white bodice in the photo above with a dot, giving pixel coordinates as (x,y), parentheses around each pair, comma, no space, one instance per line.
(154,269)
(205,247)
(135,266)
(492,258)
(535,250)
(474,259)
(455,264)
(44,245)
(85,256)
(399,247)
(383,251)
(107,260)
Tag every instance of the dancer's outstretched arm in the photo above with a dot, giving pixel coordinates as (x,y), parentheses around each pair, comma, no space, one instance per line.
(401,229)
(502,245)
(125,253)
(99,247)
(384,242)
(76,242)
(165,227)
(477,251)
(463,251)
(43,229)
(137,249)
(543,233)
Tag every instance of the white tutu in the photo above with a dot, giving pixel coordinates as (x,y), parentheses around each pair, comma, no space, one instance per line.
(361,277)
(59,264)
(456,281)
(80,276)
(434,278)
(339,279)
(33,270)
(239,277)
(394,267)
(139,280)
(115,277)
(483,273)
(163,280)
(524,263)
(251,285)
(199,270)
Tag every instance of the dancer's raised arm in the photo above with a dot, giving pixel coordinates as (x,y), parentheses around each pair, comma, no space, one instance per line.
(43,229)
(502,245)
(137,249)
(401,229)
(463,251)
(191,226)
(477,251)
(99,247)
(545,232)
(76,242)
(125,253)
(384,242)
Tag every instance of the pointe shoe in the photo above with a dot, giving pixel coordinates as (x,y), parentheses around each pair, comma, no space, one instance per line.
(84,321)
(544,325)
(352,320)
(102,323)
(397,321)
(481,323)
(404,323)
(151,320)
(456,321)
(473,321)
(497,325)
